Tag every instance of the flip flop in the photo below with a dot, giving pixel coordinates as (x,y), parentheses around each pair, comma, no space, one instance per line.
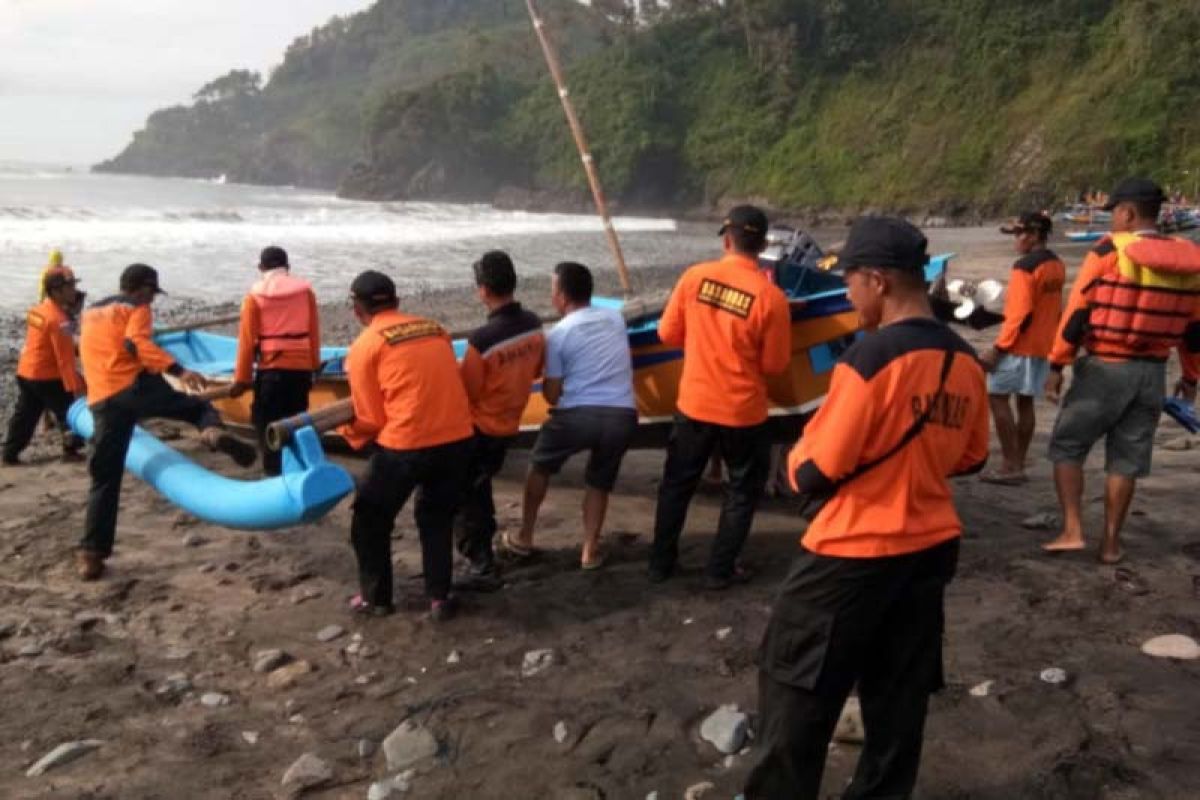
(1130,581)
(516,549)
(596,563)
(1003,478)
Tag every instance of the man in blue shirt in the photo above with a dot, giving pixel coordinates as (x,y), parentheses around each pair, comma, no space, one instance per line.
(589,384)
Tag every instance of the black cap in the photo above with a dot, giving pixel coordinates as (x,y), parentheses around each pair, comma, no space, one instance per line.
(273,258)
(1137,190)
(885,242)
(140,276)
(373,287)
(748,218)
(1030,221)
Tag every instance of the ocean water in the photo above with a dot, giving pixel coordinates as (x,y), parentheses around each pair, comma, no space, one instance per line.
(204,237)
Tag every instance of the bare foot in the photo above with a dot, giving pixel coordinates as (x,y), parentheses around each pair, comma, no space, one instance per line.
(1111,554)
(1065,543)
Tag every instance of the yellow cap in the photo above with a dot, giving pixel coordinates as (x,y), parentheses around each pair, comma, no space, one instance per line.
(56,258)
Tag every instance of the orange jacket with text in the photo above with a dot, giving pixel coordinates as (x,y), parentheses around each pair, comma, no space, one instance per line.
(1033,305)
(404,385)
(735,328)
(879,389)
(116,345)
(280,327)
(49,351)
(1137,297)
(503,359)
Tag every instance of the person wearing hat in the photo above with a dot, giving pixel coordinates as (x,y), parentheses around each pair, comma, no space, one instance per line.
(47,377)
(503,359)
(735,328)
(124,371)
(1017,361)
(411,408)
(1136,299)
(279,348)
(863,601)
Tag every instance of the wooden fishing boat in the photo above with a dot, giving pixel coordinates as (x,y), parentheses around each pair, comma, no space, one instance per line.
(823,325)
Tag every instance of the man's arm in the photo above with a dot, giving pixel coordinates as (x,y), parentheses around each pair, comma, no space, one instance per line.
(1189,358)
(1073,326)
(314,316)
(777,333)
(472,371)
(832,443)
(139,332)
(555,373)
(672,325)
(975,456)
(248,327)
(366,396)
(1018,309)
(64,356)
(552,389)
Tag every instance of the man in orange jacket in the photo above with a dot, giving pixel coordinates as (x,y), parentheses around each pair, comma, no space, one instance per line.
(1135,300)
(863,602)
(409,403)
(47,378)
(1018,360)
(280,334)
(504,357)
(735,328)
(124,371)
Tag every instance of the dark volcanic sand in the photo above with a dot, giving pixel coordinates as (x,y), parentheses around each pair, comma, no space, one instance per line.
(639,667)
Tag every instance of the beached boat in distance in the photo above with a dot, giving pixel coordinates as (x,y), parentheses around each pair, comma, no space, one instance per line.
(823,325)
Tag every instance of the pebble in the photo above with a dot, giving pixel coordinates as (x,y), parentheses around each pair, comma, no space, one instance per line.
(1044,521)
(369,677)
(652,796)
(365,748)
(177,653)
(270,660)
(1181,443)
(214,700)
(31,650)
(207,568)
(306,594)
(723,634)
(729,761)
(688,621)
(306,772)
(725,729)
(696,791)
(285,677)
(250,737)
(454,657)
(296,719)
(63,754)
(175,685)
(408,744)
(1173,645)
(536,662)
(982,689)
(390,787)
(1053,675)
(850,725)
(194,540)
(560,731)
(330,632)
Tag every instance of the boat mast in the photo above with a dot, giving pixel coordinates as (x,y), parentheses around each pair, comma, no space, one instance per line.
(585,153)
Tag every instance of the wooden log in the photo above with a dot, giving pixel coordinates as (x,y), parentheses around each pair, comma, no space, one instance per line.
(323,419)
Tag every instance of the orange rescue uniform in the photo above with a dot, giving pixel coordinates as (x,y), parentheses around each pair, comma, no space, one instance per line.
(291,307)
(405,386)
(116,345)
(735,329)
(502,361)
(1033,306)
(49,351)
(1105,313)
(878,390)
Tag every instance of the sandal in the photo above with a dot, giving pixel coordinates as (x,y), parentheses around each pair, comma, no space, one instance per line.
(999,478)
(359,605)
(596,563)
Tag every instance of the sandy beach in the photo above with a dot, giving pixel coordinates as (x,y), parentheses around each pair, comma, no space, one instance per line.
(156,662)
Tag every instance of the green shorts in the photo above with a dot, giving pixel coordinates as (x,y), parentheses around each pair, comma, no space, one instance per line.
(1118,400)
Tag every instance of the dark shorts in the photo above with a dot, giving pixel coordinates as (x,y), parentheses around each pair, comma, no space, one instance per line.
(1118,400)
(602,430)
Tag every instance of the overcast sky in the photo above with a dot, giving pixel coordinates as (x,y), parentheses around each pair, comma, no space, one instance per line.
(78,77)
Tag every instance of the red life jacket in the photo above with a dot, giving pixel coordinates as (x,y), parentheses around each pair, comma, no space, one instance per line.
(284,312)
(1144,305)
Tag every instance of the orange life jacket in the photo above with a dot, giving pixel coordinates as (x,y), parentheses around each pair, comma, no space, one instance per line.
(1145,303)
(283,306)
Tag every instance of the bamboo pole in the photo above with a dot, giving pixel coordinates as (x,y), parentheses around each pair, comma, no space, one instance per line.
(194,326)
(581,143)
(323,419)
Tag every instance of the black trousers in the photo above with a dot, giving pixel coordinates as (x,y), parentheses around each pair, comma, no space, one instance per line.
(391,478)
(34,398)
(115,419)
(747,456)
(278,393)
(838,621)
(477,519)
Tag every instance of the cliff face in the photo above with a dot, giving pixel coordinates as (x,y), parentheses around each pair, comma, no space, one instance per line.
(905,104)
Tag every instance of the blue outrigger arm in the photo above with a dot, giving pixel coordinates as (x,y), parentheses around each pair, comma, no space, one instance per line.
(308,489)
